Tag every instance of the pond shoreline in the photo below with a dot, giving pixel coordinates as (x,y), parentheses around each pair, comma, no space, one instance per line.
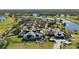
(74,21)
(71,25)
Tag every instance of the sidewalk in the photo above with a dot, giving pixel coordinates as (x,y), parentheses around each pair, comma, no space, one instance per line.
(57,44)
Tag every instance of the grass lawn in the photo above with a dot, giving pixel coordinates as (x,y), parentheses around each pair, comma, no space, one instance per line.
(5,25)
(75,40)
(73,19)
(16,43)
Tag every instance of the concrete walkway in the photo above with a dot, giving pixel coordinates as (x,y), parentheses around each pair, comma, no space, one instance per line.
(57,44)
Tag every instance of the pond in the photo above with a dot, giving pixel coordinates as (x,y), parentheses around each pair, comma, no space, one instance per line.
(2,18)
(71,26)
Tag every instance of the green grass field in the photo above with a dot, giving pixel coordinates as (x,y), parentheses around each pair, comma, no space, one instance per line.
(73,19)
(16,43)
(5,25)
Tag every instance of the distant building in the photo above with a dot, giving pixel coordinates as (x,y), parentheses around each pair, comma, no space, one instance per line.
(35,14)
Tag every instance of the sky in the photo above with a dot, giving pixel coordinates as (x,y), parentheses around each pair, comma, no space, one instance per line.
(39,4)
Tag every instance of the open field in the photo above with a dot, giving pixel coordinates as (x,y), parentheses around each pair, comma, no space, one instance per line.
(16,43)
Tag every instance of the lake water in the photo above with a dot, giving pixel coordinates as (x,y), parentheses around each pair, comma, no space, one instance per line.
(71,26)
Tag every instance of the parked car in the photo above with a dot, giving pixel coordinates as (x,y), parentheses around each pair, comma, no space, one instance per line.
(52,39)
(68,42)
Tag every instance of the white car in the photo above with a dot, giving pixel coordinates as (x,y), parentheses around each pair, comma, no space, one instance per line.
(52,39)
(67,42)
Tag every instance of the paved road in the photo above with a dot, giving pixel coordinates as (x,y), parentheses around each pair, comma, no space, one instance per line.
(57,44)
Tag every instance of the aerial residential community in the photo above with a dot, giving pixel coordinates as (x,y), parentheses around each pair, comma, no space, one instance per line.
(39,29)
